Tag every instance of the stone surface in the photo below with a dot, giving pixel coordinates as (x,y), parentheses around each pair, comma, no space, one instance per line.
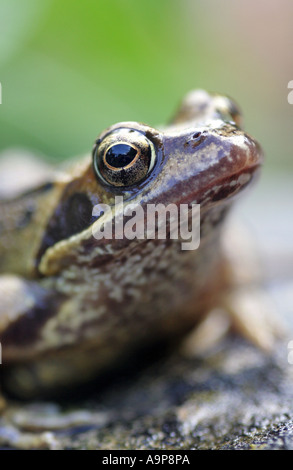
(237,398)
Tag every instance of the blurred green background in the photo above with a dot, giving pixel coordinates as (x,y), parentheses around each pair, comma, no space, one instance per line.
(68,68)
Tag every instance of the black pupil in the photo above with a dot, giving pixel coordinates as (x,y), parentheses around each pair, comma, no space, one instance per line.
(120,155)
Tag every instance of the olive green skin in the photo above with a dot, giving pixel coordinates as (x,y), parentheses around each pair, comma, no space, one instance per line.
(73,306)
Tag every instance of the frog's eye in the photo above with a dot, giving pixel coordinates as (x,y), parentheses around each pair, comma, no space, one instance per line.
(124,157)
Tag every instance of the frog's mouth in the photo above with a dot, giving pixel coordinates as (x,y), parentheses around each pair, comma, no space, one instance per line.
(229,187)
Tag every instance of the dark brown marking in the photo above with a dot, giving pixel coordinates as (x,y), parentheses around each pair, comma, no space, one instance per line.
(25,330)
(72,216)
(26,217)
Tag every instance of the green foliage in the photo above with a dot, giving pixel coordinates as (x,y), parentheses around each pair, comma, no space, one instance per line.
(70,68)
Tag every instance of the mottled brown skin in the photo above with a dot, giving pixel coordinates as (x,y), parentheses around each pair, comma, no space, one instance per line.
(83,304)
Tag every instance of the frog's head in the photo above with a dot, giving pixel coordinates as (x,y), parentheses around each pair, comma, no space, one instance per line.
(202,157)
(204,160)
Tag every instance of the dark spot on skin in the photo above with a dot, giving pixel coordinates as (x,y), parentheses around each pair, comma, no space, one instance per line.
(101,260)
(26,217)
(226,190)
(223,193)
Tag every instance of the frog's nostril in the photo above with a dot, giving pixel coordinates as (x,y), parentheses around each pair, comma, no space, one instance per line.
(197,138)
(196,135)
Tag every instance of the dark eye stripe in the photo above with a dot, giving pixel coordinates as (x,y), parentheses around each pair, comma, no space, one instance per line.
(120,155)
(72,216)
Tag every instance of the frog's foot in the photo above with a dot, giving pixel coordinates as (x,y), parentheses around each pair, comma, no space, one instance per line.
(248,312)
(35,426)
(13,438)
(203,338)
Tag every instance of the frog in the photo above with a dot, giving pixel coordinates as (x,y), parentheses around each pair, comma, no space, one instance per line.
(74,306)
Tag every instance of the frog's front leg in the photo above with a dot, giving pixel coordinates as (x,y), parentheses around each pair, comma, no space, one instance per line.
(22,303)
(37,425)
(244,306)
(25,307)
(250,308)
(43,353)
(246,311)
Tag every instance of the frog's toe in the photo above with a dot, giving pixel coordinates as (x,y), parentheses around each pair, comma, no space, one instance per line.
(254,317)
(16,439)
(248,312)
(205,336)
